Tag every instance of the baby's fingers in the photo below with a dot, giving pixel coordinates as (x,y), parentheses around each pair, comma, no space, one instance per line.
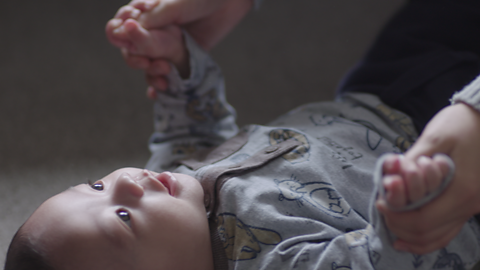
(415,186)
(152,93)
(443,163)
(395,191)
(157,74)
(111,29)
(139,37)
(391,165)
(432,174)
(159,83)
(158,67)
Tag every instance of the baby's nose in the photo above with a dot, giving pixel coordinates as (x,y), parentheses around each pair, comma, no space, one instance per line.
(127,187)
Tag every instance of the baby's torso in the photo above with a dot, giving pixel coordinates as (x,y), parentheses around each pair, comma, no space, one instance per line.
(277,203)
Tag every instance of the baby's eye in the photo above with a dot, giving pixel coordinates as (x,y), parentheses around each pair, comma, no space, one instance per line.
(124,216)
(97,186)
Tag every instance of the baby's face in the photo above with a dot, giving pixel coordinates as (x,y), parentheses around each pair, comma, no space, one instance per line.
(130,219)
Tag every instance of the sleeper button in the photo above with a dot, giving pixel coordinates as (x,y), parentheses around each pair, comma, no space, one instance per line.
(271,149)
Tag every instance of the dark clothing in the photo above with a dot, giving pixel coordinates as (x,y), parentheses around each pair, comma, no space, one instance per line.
(429,50)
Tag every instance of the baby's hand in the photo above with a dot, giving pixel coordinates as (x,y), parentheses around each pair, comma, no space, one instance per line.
(164,43)
(150,50)
(406,182)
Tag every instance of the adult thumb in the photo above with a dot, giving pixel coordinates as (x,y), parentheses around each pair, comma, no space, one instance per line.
(430,142)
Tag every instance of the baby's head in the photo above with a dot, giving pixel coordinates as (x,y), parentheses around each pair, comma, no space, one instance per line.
(130,219)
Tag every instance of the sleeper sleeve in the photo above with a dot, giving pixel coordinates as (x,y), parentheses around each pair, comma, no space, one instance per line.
(192,114)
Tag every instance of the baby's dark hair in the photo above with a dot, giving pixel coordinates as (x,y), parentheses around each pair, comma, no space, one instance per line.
(22,255)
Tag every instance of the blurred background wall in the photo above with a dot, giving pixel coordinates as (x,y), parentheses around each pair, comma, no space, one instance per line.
(70,109)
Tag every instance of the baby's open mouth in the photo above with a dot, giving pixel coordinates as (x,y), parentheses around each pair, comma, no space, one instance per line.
(165,178)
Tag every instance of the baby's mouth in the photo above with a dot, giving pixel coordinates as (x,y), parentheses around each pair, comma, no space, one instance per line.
(166,179)
(169,181)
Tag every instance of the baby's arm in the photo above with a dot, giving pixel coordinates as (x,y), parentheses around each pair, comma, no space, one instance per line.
(191,112)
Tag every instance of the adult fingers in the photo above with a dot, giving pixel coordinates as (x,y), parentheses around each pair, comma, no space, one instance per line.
(423,220)
(436,243)
(420,236)
(136,61)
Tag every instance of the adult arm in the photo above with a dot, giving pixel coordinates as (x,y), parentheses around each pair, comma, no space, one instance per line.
(453,131)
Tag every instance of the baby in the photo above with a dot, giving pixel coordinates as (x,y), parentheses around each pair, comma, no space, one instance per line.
(130,219)
(141,219)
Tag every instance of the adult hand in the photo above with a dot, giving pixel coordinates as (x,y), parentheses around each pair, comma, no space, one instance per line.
(207,21)
(453,131)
